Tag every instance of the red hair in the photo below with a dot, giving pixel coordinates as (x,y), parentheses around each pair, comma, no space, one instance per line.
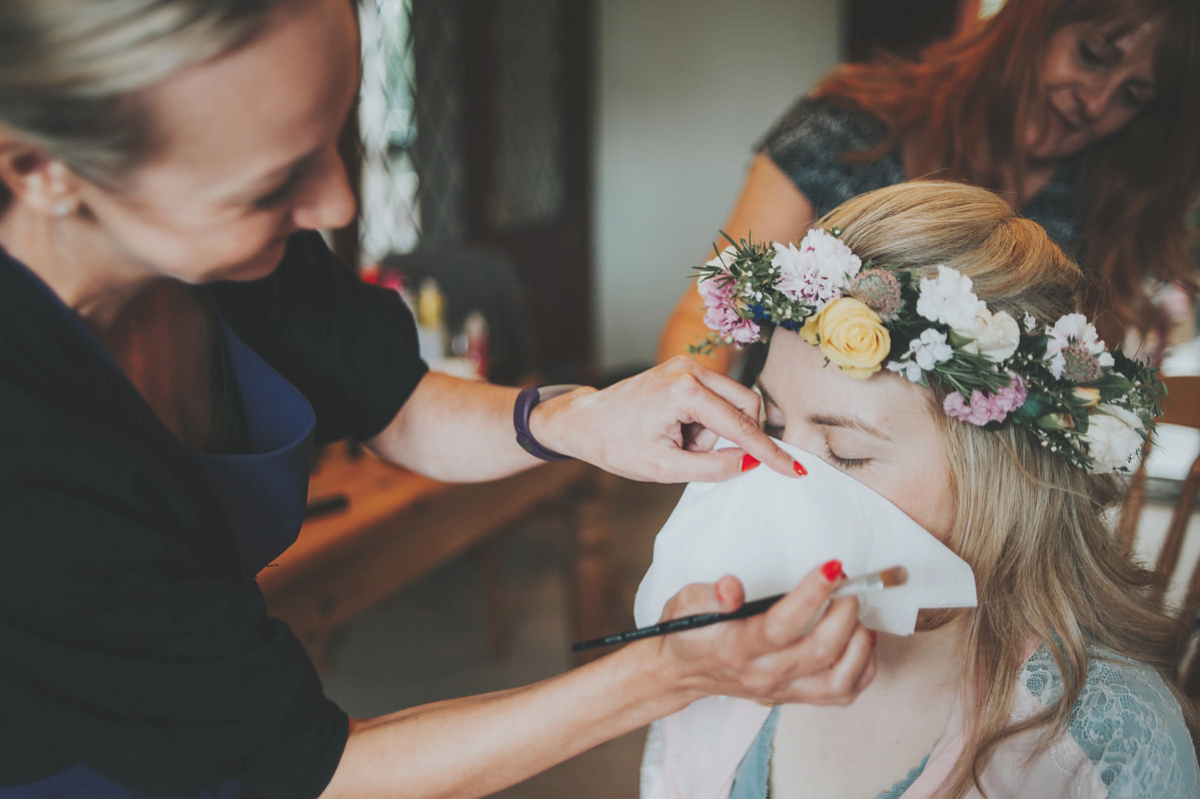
(970,99)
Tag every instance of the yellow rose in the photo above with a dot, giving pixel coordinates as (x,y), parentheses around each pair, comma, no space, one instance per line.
(852,336)
(809,331)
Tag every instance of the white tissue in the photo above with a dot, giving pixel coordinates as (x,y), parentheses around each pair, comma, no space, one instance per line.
(770,531)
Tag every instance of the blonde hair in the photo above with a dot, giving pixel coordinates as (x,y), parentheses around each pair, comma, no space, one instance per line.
(1047,565)
(72,71)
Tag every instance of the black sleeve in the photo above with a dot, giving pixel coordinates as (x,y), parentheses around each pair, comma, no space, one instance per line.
(808,143)
(121,650)
(349,347)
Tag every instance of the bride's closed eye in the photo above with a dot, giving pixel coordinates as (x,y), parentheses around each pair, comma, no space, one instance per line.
(845,463)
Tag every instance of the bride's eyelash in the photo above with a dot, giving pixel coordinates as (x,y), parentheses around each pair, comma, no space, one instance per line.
(776,431)
(846,463)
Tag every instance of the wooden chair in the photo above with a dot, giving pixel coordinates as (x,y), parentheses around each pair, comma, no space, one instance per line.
(1181,407)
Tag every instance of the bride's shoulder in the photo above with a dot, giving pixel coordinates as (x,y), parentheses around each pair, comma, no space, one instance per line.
(1127,721)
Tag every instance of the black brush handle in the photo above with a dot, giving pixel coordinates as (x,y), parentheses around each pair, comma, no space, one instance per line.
(748,609)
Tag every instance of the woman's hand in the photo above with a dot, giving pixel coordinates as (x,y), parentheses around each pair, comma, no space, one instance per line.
(661,425)
(775,656)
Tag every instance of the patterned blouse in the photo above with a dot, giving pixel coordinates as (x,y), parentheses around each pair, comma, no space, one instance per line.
(807,144)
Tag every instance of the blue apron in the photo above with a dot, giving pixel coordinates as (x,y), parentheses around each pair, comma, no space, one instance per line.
(262,492)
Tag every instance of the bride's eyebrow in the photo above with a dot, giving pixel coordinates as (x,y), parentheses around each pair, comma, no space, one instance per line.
(852,422)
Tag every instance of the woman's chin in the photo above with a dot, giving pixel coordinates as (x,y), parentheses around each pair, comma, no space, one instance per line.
(262,265)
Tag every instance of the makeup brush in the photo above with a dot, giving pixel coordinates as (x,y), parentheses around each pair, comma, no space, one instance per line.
(864,583)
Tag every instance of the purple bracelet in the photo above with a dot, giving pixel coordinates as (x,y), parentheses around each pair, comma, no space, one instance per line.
(527,400)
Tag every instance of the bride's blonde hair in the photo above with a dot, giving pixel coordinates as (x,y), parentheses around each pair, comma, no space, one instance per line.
(1048,567)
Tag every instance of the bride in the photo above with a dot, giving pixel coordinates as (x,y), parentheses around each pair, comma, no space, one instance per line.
(922,341)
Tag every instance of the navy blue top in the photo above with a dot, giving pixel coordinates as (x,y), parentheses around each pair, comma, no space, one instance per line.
(261,488)
(137,658)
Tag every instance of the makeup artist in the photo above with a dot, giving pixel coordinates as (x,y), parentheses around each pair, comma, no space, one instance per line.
(175,335)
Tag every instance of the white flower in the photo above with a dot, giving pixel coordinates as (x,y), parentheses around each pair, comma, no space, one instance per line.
(948,299)
(816,272)
(1113,438)
(994,336)
(907,368)
(930,349)
(1074,329)
(923,354)
(1030,322)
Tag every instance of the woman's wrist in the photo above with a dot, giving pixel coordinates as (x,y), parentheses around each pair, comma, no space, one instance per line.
(548,422)
(661,681)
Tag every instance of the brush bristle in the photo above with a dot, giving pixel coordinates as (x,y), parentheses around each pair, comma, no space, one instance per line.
(897,575)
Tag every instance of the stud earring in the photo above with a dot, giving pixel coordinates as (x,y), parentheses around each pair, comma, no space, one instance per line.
(62,208)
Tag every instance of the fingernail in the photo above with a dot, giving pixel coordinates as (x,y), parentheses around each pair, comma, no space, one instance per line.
(749,462)
(798,467)
(842,574)
(832,570)
(873,635)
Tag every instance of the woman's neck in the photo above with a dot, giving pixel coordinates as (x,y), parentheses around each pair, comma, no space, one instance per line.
(939,652)
(79,263)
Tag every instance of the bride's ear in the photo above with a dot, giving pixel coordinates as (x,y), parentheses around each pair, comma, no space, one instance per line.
(33,178)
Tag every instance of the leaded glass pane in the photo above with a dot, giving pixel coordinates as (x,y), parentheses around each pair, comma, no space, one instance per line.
(529,171)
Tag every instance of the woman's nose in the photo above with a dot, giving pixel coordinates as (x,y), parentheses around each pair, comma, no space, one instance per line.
(1094,98)
(330,203)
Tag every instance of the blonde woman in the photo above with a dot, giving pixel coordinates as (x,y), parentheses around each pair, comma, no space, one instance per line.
(922,341)
(174,335)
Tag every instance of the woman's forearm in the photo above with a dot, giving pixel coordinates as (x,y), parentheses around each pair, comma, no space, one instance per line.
(660,425)
(481,744)
(478,745)
(456,430)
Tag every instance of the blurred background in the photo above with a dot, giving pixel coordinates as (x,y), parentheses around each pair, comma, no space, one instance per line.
(593,145)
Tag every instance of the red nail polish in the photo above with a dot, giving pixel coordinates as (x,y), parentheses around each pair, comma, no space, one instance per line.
(831,570)
(873,635)
(749,462)
(798,467)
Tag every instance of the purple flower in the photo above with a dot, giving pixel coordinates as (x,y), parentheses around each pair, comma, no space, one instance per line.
(720,303)
(984,408)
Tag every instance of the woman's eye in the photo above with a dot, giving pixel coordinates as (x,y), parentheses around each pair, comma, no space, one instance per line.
(1090,55)
(773,430)
(1134,99)
(846,463)
(276,196)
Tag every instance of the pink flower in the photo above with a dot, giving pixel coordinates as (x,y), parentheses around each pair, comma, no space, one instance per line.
(984,408)
(817,271)
(720,298)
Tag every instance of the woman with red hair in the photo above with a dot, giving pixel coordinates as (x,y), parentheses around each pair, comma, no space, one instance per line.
(1082,114)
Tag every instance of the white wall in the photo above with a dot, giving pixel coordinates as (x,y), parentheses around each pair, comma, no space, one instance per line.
(685,88)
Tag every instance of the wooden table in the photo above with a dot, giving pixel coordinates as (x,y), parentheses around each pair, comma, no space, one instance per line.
(399,526)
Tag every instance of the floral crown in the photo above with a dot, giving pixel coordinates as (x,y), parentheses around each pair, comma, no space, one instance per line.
(1093,407)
